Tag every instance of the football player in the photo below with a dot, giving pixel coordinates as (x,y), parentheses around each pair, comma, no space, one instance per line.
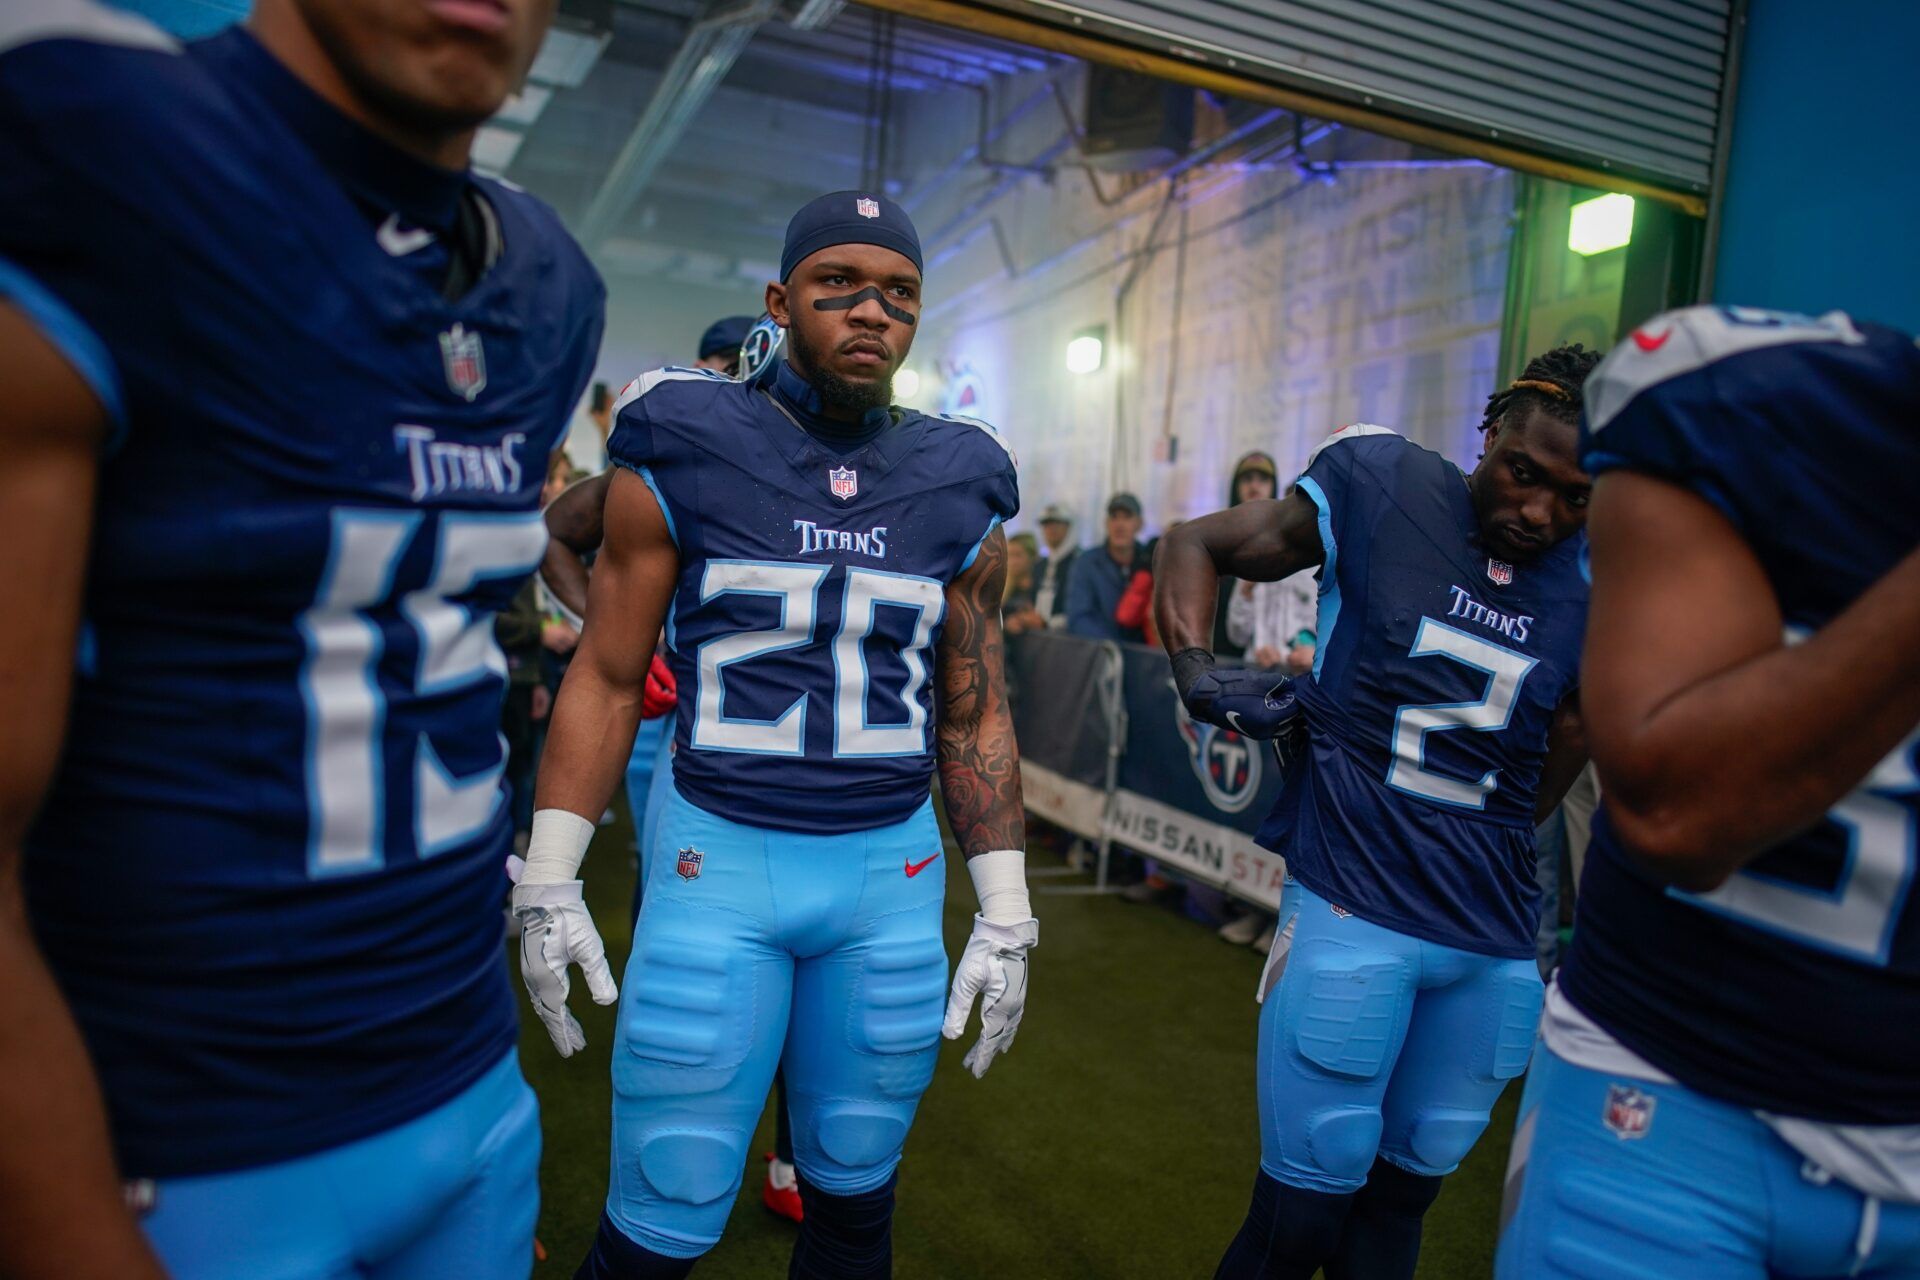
(291,372)
(1439,727)
(1727,1085)
(819,559)
(575,520)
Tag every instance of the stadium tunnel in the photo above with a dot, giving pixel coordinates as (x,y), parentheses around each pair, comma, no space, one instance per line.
(1162,233)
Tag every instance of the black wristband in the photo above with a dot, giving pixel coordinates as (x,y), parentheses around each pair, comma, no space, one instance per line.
(1189,665)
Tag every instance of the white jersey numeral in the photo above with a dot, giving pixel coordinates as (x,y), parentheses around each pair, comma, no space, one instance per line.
(346,767)
(1506,671)
(797,588)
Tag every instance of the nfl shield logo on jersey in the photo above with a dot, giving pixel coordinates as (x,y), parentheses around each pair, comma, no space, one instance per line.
(867,208)
(1629,1112)
(466,363)
(1500,571)
(844,482)
(690,860)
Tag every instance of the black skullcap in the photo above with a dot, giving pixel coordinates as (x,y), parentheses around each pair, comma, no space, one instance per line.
(849,217)
(724,335)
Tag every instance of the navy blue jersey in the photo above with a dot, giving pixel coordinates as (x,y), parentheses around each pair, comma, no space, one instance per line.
(269,875)
(1795,987)
(1437,676)
(811,593)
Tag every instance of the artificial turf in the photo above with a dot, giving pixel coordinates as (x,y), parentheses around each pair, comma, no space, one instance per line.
(1117,1139)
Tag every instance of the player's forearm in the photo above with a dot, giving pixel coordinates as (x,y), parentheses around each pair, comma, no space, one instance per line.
(1186,590)
(591,736)
(1728,768)
(1566,757)
(62,1216)
(980,782)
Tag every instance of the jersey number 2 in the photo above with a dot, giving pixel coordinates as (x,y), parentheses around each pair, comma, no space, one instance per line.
(797,588)
(1506,671)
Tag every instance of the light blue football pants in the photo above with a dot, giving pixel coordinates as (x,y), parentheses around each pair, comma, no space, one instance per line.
(1682,1186)
(1373,1043)
(451,1193)
(822,952)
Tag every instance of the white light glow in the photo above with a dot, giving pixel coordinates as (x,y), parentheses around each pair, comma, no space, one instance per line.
(1084,354)
(906,385)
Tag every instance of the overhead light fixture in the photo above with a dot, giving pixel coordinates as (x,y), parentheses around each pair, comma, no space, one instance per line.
(494,148)
(1602,223)
(1087,349)
(567,54)
(524,107)
(906,384)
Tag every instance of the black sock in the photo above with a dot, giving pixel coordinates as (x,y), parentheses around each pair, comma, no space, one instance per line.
(1382,1237)
(615,1257)
(782,1122)
(1288,1234)
(844,1237)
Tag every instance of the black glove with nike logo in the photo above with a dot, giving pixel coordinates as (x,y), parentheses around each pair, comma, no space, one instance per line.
(1254,704)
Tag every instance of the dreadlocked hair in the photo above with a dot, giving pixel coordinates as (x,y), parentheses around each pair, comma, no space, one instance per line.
(1551,382)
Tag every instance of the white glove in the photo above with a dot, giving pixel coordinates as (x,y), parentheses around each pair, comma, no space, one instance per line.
(556,929)
(994,967)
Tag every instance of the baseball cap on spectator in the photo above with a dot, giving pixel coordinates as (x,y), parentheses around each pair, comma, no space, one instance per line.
(1123,502)
(1055,514)
(724,335)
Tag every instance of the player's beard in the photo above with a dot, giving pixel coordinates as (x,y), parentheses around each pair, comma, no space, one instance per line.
(840,397)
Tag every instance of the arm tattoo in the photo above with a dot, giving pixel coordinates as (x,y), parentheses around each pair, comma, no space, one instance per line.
(979,764)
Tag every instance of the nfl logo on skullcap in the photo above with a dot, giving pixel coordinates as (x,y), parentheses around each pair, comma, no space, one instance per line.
(690,860)
(1500,571)
(465,362)
(867,208)
(844,482)
(1629,1112)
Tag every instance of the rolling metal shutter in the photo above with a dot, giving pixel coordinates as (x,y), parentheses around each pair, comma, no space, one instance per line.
(1611,87)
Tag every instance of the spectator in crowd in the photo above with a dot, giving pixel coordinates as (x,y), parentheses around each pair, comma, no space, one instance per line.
(1275,622)
(1135,610)
(1052,575)
(1100,576)
(1017,611)
(1254,479)
(720,345)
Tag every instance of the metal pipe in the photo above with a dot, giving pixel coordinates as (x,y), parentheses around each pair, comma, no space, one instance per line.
(713,43)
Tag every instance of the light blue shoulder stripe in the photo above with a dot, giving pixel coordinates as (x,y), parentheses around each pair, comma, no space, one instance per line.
(74,339)
(1329,581)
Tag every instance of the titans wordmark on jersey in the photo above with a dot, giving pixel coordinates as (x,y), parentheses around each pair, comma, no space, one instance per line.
(270,870)
(1795,987)
(811,594)
(1435,682)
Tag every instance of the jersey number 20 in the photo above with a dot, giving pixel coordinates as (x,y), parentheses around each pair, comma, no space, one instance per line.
(797,588)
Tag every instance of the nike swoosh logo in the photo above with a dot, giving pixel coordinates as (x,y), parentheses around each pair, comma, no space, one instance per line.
(401,243)
(1233,717)
(1651,341)
(915,868)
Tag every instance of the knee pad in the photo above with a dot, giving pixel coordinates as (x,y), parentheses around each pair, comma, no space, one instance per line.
(1343,1142)
(1347,1008)
(693,1166)
(686,1017)
(861,1137)
(1439,1139)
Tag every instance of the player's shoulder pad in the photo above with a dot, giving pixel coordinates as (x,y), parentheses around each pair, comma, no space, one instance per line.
(1677,343)
(978,431)
(83,20)
(1360,436)
(670,376)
